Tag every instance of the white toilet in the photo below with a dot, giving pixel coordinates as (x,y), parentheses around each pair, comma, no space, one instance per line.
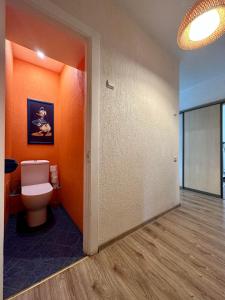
(36,190)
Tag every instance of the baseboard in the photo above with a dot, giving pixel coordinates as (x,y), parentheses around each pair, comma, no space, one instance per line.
(202,192)
(121,236)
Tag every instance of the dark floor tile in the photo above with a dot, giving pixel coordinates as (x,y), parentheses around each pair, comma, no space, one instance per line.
(29,259)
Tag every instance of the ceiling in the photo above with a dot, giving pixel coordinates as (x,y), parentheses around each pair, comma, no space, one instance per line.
(32,30)
(30,56)
(161,19)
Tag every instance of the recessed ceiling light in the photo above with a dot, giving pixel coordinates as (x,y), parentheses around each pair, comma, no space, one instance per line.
(203,24)
(40,54)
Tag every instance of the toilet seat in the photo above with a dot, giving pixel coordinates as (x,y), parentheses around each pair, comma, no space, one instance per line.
(36,189)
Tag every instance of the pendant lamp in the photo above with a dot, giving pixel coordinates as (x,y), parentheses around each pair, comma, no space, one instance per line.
(203,24)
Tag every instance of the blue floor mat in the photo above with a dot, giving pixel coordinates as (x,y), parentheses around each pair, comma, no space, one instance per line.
(29,259)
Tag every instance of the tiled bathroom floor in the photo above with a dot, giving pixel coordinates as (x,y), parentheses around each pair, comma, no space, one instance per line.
(29,259)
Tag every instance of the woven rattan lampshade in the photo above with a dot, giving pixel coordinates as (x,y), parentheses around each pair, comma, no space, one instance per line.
(202,9)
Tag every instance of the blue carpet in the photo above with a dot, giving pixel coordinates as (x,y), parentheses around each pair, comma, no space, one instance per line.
(29,259)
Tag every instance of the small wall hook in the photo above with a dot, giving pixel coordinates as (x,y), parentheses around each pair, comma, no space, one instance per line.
(109,86)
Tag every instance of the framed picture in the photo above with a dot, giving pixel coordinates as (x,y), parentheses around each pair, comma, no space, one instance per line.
(40,122)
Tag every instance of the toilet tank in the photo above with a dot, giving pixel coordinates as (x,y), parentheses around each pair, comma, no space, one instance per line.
(34,172)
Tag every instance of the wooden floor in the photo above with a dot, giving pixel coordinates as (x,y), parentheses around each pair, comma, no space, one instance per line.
(181,255)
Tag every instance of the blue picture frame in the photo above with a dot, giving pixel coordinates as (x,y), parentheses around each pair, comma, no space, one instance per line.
(40,122)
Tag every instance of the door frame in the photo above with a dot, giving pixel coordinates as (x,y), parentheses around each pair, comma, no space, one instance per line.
(221,145)
(182,112)
(2,136)
(92,117)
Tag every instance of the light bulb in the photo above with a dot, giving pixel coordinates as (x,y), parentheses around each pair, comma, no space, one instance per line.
(204,25)
(40,54)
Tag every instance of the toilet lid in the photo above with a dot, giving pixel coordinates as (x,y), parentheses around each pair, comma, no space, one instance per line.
(37,189)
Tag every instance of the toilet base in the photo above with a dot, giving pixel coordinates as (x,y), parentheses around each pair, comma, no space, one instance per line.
(23,229)
(36,217)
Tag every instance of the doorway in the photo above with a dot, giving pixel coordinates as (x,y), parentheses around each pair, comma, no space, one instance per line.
(90,211)
(201,155)
(36,245)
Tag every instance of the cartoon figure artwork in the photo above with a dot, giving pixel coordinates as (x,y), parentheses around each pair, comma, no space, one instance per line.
(43,126)
(40,122)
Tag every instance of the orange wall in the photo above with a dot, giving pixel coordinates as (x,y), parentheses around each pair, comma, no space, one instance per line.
(66,90)
(71,150)
(9,98)
(30,81)
(8,141)
(27,81)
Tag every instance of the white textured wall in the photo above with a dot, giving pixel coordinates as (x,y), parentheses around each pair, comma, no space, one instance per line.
(205,92)
(139,133)
(2,135)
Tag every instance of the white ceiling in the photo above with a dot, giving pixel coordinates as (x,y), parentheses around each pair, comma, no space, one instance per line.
(161,19)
